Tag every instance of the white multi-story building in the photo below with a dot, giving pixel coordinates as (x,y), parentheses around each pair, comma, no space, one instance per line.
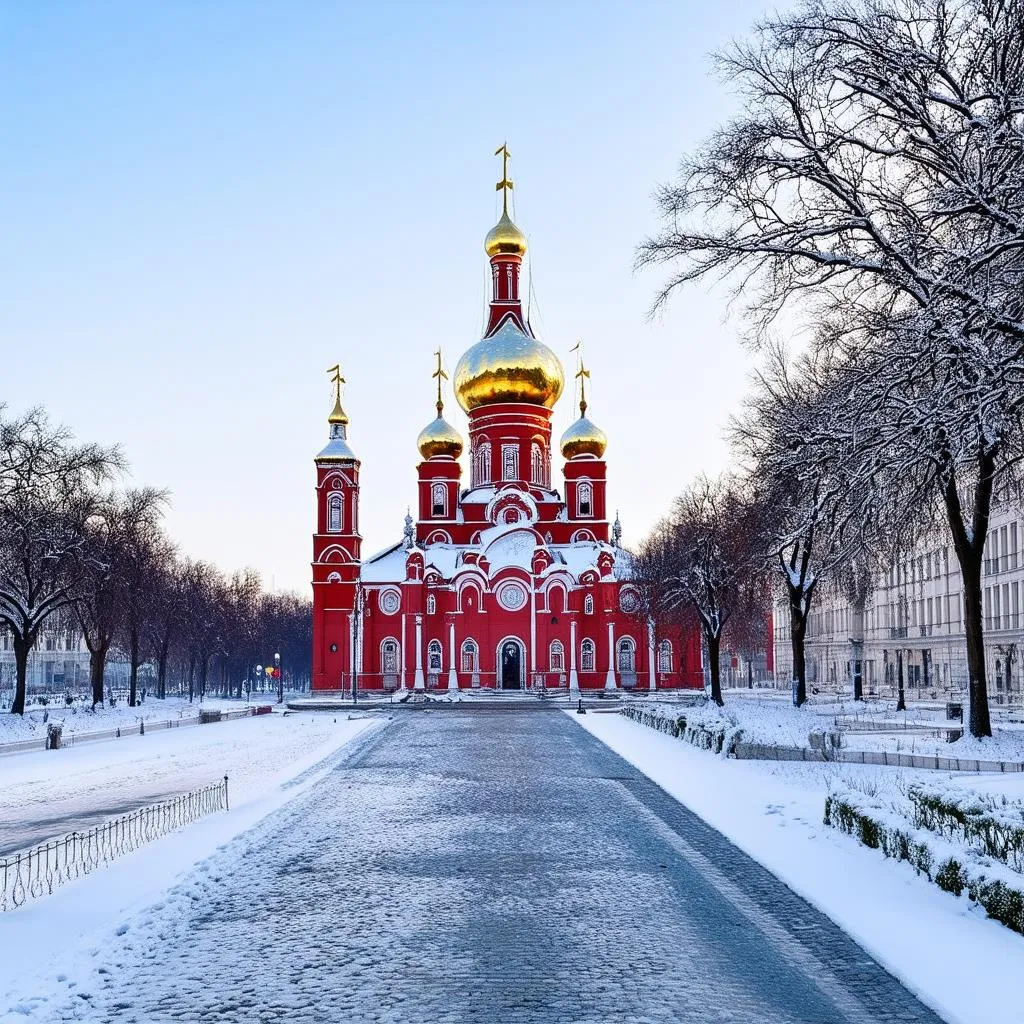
(914,614)
(59,661)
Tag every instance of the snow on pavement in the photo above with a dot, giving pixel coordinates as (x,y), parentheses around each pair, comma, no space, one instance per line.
(47,793)
(42,939)
(946,951)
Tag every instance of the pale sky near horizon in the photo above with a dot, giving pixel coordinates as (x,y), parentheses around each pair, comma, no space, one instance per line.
(204,206)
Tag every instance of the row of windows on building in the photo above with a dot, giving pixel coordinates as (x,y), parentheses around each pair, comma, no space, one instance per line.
(588,604)
(1002,554)
(390,651)
(480,464)
(52,641)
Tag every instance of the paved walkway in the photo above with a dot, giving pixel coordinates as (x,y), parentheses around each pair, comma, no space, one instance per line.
(489,867)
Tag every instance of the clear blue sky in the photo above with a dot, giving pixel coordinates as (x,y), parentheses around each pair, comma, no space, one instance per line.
(205,205)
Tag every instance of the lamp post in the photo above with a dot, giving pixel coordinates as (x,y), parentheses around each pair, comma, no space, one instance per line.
(259,676)
(280,678)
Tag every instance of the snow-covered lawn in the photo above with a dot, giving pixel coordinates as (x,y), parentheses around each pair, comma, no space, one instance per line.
(47,793)
(767,720)
(48,935)
(967,967)
(80,719)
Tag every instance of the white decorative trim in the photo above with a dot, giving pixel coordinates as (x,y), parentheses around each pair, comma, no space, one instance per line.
(389,600)
(512,596)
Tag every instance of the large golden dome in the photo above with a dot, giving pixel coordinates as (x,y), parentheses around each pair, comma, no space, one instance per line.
(439,437)
(505,238)
(509,366)
(584,438)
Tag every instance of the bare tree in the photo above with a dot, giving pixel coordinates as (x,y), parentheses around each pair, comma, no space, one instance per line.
(138,552)
(878,170)
(704,556)
(47,497)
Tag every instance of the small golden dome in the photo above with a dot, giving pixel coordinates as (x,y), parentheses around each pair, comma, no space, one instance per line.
(584,438)
(337,413)
(505,238)
(509,366)
(439,437)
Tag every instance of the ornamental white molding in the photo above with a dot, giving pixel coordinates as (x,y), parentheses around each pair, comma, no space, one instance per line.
(512,596)
(390,600)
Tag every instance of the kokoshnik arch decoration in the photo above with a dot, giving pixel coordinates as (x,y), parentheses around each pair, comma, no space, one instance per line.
(500,582)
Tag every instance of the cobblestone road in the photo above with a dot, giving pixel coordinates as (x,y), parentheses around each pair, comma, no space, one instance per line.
(486,867)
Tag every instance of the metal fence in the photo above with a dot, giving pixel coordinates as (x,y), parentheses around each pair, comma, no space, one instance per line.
(37,871)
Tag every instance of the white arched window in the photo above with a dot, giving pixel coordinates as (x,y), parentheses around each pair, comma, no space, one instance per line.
(584,500)
(665,656)
(587,656)
(438,500)
(482,464)
(556,656)
(536,464)
(588,604)
(389,657)
(627,655)
(469,656)
(434,656)
(510,462)
(335,512)
(431,604)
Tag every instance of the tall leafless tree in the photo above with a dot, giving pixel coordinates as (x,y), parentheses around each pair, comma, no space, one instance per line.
(48,496)
(878,171)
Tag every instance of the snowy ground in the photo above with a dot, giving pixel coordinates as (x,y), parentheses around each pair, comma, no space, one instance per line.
(44,794)
(944,950)
(766,719)
(75,923)
(499,866)
(80,719)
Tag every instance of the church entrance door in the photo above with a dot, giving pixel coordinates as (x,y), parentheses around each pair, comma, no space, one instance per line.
(511,665)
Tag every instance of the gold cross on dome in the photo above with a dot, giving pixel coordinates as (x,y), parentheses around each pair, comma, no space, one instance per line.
(336,379)
(582,374)
(505,185)
(440,375)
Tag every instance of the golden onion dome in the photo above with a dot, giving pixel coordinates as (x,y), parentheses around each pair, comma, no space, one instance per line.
(439,437)
(584,438)
(509,366)
(337,413)
(505,238)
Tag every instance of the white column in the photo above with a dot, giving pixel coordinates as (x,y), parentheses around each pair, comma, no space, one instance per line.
(418,683)
(352,650)
(533,630)
(453,679)
(652,683)
(609,679)
(401,654)
(574,680)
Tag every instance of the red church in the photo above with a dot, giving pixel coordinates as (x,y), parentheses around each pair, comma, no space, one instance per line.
(500,582)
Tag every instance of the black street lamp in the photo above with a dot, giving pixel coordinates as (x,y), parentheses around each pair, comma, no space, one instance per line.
(280,679)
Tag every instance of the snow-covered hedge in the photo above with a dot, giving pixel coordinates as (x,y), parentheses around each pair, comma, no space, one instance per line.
(991,824)
(709,730)
(993,887)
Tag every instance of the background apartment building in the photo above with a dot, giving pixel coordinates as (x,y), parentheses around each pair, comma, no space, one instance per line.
(914,613)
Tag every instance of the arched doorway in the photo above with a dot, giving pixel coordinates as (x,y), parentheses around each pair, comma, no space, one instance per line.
(511,664)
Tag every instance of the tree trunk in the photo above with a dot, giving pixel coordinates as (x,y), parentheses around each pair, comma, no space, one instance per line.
(798,633)
(133,677)
(977,689)
(714,642)
(969,546)
(901,704)
(22,645)
(97,664)
(161,670)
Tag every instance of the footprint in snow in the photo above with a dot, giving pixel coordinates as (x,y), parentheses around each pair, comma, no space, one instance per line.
(774,808)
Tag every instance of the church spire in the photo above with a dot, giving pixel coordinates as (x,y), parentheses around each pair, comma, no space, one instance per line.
(337,449)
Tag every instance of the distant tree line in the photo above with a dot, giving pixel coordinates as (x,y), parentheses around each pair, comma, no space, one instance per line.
(873,187)
(80,552)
